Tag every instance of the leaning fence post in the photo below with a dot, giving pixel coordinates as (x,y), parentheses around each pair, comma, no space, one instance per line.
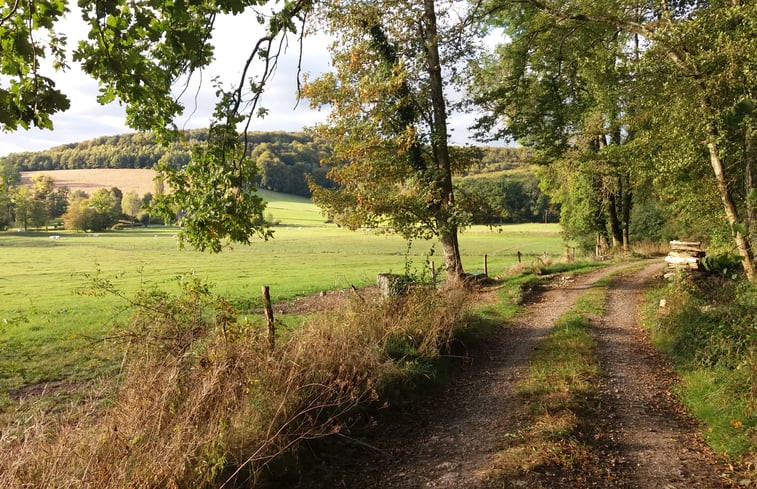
(268,311)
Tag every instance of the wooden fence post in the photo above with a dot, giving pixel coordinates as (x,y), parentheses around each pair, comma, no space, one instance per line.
(268,311)
(486,266)
(519,255)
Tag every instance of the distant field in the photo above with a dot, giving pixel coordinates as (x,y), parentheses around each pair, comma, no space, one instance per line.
(48,332)
(137,180)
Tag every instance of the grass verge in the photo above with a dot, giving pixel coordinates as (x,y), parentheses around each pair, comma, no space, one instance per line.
(202,401)
(708,327)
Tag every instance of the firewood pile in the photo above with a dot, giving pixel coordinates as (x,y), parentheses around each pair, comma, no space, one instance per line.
(685,255)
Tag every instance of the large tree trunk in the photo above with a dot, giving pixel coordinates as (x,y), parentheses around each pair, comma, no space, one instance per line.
(750,185)
(732,216)
(627,204)
(451,251)
(615,228)
(447,229)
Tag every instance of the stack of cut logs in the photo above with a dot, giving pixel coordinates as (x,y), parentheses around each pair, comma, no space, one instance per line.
(686,255)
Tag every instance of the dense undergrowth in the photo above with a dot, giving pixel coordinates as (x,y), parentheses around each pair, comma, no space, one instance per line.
(203,402)
(708,326)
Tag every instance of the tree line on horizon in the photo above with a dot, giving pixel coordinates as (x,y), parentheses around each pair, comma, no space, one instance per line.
(506,186)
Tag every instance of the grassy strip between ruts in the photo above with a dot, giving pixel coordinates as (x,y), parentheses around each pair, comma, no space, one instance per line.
(708,327)
(553,399)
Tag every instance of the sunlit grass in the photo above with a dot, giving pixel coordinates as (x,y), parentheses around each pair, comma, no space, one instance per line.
(48,331)
(707,328)
(553,396)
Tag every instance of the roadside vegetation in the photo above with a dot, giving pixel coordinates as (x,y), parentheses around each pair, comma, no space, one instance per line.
(56,335)
(202,401)
(196,397)
(708,327)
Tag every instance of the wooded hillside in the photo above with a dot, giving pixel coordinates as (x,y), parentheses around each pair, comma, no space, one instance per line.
(284,159)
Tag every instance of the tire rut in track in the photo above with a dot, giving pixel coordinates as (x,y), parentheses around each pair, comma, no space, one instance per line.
(649,441)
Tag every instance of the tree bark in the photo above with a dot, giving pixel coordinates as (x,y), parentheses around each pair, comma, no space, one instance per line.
(447,228)
(627,204)
(615,228)
(750,185)
(732,216)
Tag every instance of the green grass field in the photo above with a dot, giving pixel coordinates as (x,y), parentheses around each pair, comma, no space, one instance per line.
(49,332)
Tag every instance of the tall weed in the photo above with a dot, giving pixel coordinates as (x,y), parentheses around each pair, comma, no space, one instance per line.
(203,402)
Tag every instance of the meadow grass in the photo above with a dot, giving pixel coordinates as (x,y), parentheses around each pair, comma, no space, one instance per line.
(50,331)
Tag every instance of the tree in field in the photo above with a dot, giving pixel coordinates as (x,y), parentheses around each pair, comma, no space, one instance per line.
(692,96)
(388,122)
(26,210)
(52,200)
(9,178)
(96,213)
(131,204)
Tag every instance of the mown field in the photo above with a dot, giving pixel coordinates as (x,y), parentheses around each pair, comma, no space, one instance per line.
(136,180)
(50,331)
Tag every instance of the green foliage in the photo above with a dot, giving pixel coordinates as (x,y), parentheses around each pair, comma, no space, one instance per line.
(505,199)
(653,84)
(213,196)
(131,204)
(726,264)
(27,40)
(648,223)
(707,326)
(388,120)
(96,213)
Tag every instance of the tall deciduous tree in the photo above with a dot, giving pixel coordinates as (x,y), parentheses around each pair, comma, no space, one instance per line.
(388,122)
(131,204)
(698,65)
(558,88)
(53,200)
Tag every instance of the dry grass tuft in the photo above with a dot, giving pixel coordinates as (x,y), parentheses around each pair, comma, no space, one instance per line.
(202,402)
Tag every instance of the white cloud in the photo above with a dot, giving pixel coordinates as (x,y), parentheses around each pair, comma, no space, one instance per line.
(233,38)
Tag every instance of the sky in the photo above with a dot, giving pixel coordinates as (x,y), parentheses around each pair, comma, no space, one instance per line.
(233,38)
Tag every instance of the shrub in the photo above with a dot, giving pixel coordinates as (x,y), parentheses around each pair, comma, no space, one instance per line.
(708,328)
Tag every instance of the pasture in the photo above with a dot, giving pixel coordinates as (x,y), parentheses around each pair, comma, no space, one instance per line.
(50,331)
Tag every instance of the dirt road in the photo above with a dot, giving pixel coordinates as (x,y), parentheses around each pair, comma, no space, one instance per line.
(450,438)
